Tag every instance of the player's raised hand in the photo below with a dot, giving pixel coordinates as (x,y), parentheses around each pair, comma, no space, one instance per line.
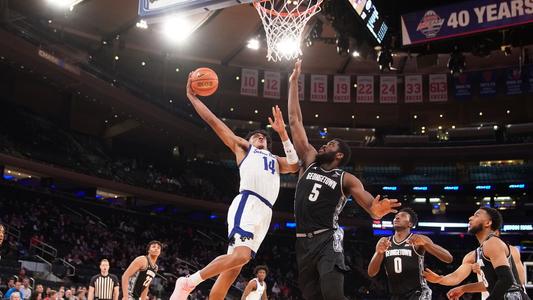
(431,276)
(296,71)
(278,124)
(384,207)
(383,245)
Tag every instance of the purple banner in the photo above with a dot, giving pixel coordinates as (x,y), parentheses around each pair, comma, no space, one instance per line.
(463,86)
(464,18)
(513,81)
(487,83)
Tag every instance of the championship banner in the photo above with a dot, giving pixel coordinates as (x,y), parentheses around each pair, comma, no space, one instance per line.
(388,90)
(341,89)
(464,18)
(319,88)
(463,86)
(249,82)
(365,89)
(438,88)
(413,89)
(513,81)
(487,83)
(271,88)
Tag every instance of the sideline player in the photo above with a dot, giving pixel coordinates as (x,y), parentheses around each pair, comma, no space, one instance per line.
(321,193)
(140,273)
(256,288)
(250,213)
(403,257)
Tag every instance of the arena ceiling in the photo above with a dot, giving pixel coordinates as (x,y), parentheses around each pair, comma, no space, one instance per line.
(222,36)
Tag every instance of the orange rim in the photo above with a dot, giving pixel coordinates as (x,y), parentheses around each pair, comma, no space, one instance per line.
(273,12)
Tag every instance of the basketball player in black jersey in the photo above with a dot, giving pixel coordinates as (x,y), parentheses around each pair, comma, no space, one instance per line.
(138,276)
(403,257)
(469,265)
(321,194)
(498,273)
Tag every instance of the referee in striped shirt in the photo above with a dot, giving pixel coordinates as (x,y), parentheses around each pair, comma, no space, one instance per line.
(104,286)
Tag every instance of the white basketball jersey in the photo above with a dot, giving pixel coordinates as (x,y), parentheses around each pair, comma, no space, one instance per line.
(258,293)
(259,172)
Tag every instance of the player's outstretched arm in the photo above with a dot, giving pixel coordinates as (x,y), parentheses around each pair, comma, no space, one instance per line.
(457,292)
(375,207)
(288,164)
(305,151)
(375,263)
(454,278)
(232,141)
(251,286)
(135,266)
(424,242)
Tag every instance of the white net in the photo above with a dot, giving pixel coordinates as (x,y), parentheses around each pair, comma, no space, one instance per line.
(284,22)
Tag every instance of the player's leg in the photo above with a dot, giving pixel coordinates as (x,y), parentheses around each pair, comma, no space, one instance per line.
(331,266)
(332,285)
(237,258)
(223,283)
(308,276)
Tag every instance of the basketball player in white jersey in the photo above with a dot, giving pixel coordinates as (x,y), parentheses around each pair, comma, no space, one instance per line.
(250,212)
(256,288)
(463,271)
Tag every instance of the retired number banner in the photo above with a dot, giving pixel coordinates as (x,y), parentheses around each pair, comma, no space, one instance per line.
(365,89)
(271,89)
(388,90)
(438,88)
(341,89)
(249,82)
(413,89)
(319,88)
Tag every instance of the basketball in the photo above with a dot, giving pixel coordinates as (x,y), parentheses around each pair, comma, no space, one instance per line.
(204,81)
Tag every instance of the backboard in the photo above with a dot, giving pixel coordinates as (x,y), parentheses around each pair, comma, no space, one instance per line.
(154,8)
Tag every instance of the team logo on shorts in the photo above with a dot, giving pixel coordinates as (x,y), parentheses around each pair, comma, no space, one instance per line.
(430,24)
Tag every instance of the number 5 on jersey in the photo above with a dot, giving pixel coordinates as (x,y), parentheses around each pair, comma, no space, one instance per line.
(315,192)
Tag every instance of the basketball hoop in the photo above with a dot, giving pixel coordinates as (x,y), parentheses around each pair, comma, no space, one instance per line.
(284,22)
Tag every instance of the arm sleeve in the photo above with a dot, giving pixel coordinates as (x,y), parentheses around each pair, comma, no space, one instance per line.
(504,282)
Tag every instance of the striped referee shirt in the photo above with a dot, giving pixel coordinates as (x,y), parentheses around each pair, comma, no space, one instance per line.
(104,286)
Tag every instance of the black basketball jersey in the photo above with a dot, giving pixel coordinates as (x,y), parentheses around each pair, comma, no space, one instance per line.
(404,267)
(319,199)
(142,279)
(488,275)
